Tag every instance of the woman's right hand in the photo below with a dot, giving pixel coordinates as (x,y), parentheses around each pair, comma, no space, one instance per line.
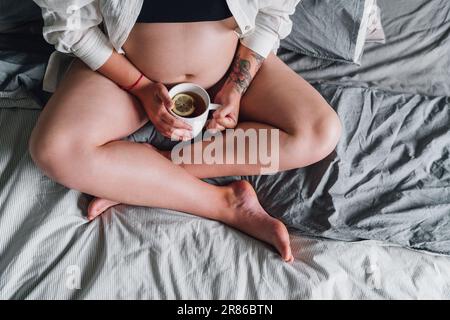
(156,101)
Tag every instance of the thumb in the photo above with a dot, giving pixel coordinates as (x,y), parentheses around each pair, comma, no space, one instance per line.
(223,111)
(163,95)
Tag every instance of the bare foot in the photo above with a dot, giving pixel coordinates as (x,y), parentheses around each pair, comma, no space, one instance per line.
(247,215)
(251,218)
(98,206)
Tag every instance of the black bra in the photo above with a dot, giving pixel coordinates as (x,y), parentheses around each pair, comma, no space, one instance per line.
(183,11)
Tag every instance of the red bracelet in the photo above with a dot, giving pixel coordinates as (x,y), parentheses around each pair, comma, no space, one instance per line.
(134,84)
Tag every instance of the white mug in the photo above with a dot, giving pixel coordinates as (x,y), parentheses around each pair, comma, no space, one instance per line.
(197,123)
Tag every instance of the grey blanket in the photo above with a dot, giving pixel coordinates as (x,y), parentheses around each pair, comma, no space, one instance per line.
(390,177)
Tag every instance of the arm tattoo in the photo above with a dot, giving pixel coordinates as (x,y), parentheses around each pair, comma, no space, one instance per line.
(259,59)
(240,73)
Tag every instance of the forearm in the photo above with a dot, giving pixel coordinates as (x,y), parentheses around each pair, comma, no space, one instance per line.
(245,65)
(121,71)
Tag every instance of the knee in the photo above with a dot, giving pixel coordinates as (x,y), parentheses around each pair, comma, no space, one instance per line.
(51,153)
(326,133)
(47,153)
(318,138)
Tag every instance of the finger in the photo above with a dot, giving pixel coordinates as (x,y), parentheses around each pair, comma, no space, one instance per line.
(163,95)
(175,134)
(213,126)
(173,121)
(163,128)
(181,134)
(215,130)
(227,122)
(178,135)
(171,132)
(223,111)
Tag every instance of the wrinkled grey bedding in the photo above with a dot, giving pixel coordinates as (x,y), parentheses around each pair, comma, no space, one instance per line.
(390,177)
(415,59)
(388,181)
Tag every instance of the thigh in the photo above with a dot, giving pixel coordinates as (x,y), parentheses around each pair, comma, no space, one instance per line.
(89,107)
(281,98)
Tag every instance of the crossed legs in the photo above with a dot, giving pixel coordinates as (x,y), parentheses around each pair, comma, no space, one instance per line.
(77,143)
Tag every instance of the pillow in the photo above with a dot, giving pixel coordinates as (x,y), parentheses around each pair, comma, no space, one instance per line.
(375,31)
(330,29)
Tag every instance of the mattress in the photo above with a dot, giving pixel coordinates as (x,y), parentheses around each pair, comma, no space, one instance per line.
(346,244)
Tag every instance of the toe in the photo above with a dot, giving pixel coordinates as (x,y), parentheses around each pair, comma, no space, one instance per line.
(282,241)
(286,254)
(288,257)
(290,260)
(96,207)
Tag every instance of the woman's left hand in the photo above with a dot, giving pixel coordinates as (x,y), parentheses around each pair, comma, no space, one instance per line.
(226,117)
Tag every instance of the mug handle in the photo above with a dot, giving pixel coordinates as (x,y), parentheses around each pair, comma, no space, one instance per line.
(214,106)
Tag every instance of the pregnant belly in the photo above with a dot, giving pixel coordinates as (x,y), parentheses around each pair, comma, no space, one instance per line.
(171,53)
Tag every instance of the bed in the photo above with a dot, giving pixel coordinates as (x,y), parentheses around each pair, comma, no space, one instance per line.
(371,221)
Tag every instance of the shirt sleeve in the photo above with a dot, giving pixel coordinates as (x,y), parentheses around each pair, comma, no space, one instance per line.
(272,24)
(73,27)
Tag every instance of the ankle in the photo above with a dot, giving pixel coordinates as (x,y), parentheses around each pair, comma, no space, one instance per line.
(228,204)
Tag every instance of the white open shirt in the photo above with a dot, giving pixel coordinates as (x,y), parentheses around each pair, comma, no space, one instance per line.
(72,26)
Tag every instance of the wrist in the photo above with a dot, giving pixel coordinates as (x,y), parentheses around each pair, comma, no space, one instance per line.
(140,88)
(231,90)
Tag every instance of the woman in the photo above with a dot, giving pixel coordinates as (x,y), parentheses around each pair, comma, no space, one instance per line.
(121,80)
